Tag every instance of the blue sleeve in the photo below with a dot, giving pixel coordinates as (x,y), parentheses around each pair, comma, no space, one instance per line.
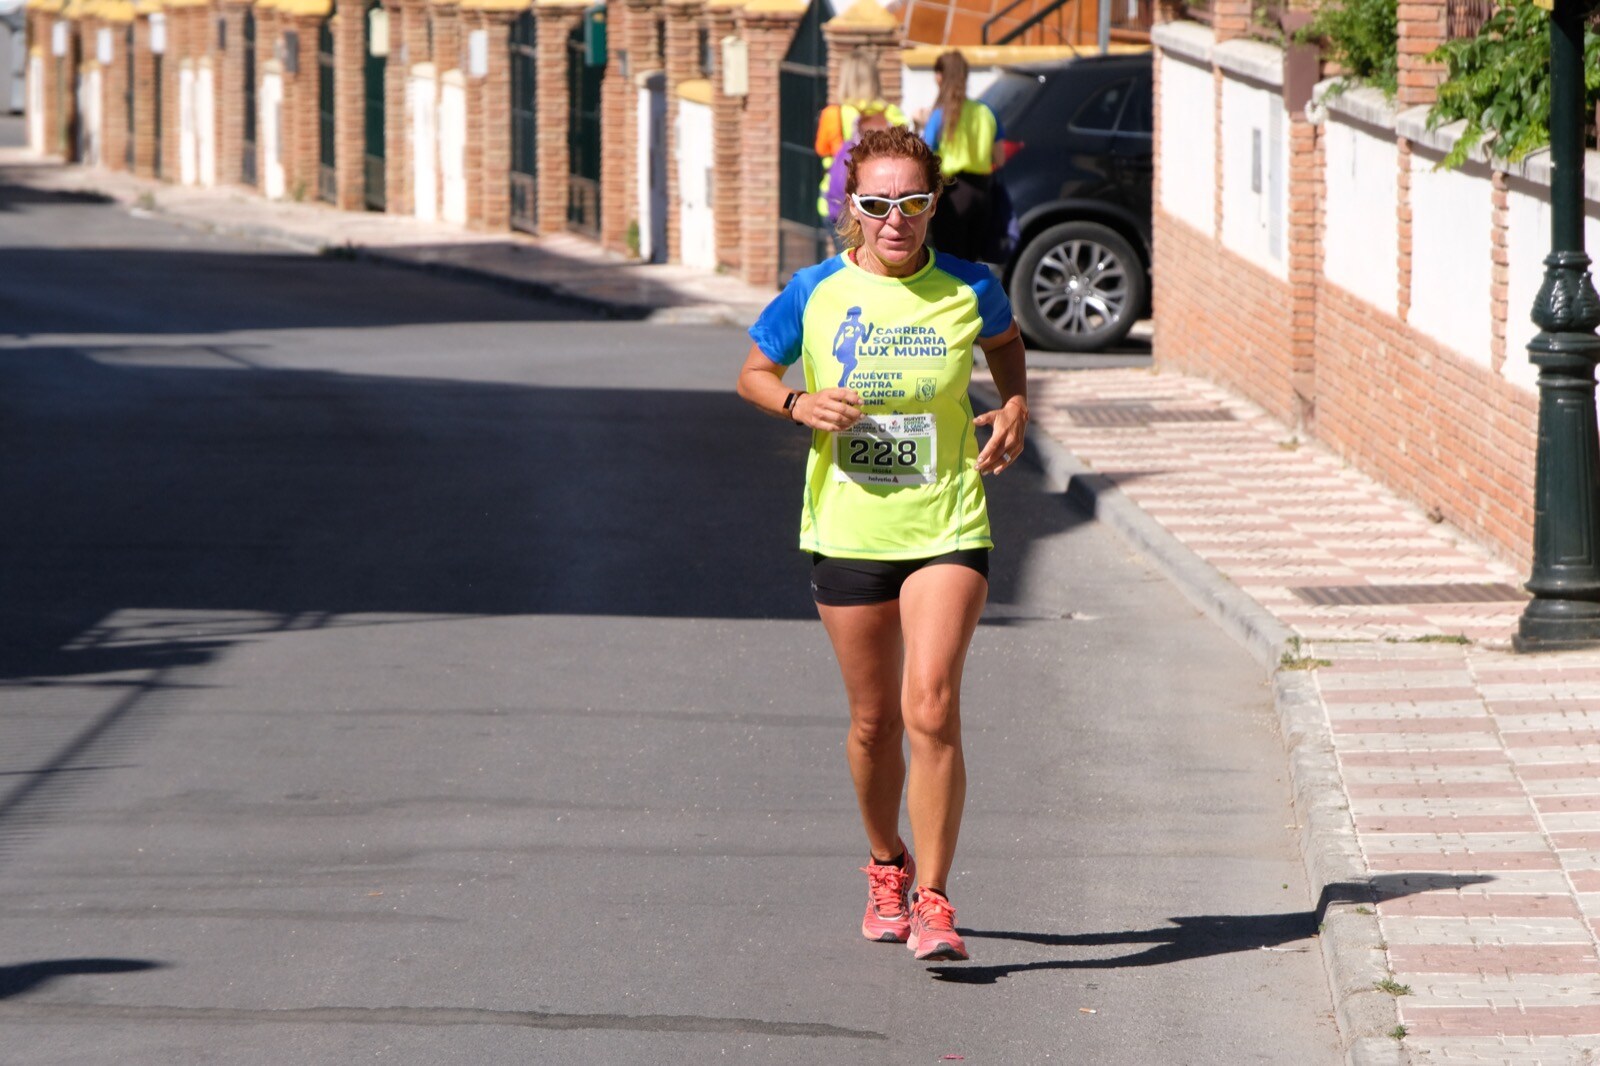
(930,132)
(994,310)
(778,331)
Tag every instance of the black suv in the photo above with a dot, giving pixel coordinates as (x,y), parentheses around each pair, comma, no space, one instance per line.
(1078,173)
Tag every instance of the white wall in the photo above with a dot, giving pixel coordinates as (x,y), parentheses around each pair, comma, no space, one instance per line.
(205,121)
(1360,240)
(423,104)
(1255,167)
(697,224)
(269,138)
(1186,142)
(188,149)
(36,103)
(89,116)
(453,147)
(1527,243)
(1452,224)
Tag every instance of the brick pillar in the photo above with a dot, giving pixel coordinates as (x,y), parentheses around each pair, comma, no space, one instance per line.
(617,98)
(493,128)
(397,110)
(1230,19)
(767,27)
(472,148)
(268,38)
(1403,217)
(557,19)
(301,155)
(228,75)
(643,47)
(1305,260)
(1421,28)
(1499,250)
(144,104)
(114,109)
(349,25)
(682,64)
(446,36)
(727,121)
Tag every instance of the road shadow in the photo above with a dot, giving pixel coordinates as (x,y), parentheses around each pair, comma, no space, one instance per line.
(19,979)
(1199,936)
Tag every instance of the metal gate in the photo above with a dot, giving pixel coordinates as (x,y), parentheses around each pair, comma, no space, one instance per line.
(802,94)
(327,181)
(524,123)
(373,163)
(247,161)
(583,137)
(128,98)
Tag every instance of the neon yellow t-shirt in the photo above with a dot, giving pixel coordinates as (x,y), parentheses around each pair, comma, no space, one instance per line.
(903,483)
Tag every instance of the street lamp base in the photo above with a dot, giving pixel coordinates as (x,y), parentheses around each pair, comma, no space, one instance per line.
(1558,625)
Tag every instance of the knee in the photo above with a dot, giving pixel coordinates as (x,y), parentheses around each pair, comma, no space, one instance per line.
(932,711)
(876,729)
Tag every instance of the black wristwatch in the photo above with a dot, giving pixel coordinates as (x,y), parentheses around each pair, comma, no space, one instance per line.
(789,402)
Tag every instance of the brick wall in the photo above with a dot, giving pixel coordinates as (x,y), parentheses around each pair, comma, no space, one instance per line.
(727,119)
(682,64)
(413,29)
(144,102)
(494,109)
(114,106)
(228,78)
(644,56)
(1422,27)
(616,99)
(1450,435)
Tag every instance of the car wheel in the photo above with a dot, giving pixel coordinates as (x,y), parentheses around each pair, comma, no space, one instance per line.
(1078,287)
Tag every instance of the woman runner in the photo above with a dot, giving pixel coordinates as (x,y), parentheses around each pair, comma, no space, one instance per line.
(894,514)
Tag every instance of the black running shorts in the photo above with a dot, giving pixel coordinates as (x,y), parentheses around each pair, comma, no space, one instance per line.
(858,582)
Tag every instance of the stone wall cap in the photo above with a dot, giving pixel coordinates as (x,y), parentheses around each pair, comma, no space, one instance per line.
(922,56)
(864,15)
(1256,60)
(776,7)
(684,3)
(1188,39)
(724,5)
(1360,102)
(496,5)
(556,5)
(695,90)
(306,8)
(1413,126)
(116,10)
(45,5)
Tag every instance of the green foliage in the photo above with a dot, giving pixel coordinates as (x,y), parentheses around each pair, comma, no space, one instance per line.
(1361,36)
(1499,82)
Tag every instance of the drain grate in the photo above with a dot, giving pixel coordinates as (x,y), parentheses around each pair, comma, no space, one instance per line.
(1392,595)
(1140,414)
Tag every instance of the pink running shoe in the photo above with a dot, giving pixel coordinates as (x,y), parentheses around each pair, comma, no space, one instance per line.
(933,929)
(888,917)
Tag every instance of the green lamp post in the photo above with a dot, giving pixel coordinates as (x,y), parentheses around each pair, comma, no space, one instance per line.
(1565,583)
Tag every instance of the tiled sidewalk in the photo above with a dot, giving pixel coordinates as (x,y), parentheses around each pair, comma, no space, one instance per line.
(1471,774)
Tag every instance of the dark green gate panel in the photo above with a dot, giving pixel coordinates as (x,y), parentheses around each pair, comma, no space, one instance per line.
(583,137)
(802,94)
(524,123)
(327,183)
(373,163)
(248,161)
(128,98)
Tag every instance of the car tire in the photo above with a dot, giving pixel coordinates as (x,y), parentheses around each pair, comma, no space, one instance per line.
(1078,287)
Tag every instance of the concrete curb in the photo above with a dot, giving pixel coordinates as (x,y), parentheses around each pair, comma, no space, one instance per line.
(1349,938)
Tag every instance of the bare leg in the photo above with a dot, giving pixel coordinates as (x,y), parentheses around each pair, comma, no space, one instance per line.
(867,643)
(939,609)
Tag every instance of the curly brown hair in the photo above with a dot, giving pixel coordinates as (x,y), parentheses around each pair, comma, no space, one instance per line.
(897,142)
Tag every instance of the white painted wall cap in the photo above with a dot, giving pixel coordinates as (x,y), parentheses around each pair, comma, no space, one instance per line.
(1256,60)
(1360,102)
(1189,39)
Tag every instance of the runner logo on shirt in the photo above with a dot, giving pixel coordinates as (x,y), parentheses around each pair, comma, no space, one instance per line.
(856,340)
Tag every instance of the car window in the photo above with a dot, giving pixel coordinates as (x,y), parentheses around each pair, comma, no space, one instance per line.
(1136,117)
(1100,111)
(1009,95)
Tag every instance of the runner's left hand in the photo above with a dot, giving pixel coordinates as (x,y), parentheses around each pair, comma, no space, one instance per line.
(1009,423)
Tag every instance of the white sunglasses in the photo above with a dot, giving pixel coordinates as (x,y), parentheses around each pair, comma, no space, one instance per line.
(880,206)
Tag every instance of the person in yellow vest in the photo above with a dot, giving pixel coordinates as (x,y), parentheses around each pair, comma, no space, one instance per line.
(861,108)
(966,134)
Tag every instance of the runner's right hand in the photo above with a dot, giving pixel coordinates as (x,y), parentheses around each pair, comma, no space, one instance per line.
(832,409)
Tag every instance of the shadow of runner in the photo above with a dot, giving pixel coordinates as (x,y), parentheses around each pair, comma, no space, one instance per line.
(1199,936)
(25,977)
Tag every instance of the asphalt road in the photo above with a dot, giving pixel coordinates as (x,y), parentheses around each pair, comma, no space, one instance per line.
(397,670)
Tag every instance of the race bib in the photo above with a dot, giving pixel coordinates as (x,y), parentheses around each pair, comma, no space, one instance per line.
(887,450)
